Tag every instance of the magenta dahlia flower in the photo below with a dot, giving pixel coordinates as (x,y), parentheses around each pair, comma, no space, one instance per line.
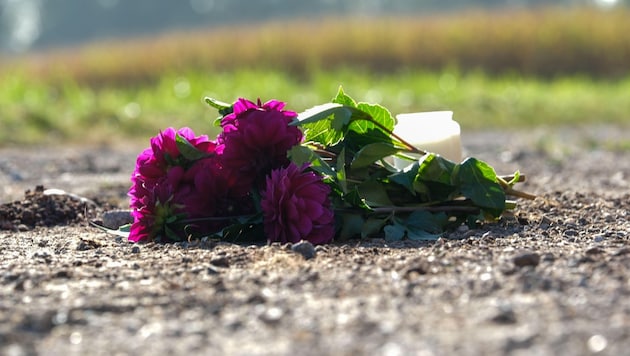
(296,206)
(158,210)
(155,161)
(163,185)
(255,140)
(216,196)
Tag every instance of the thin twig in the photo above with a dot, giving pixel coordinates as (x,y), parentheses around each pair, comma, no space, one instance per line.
(511,191)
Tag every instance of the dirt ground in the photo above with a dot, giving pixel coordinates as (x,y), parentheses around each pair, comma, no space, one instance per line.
(552,280)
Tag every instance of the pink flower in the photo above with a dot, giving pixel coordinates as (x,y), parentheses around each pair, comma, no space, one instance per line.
(154,162)
(163,187)
(296,206)
(215,195)
(255,140)
(157,211)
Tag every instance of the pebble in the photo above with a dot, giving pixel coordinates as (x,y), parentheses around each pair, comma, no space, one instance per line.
(416,268)
(570,233)
(135,249)
(220,261)
(599,238)
(526,259)
(548,257)
(116,218)
(597,343)
(594,251)
(304,248)
(505,315)
(271,315)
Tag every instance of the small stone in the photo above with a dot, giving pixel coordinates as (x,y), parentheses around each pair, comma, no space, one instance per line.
(135,249)
(548,257)
(571,233)
(597,343)
(416,268)
(220,261)
(63,274)
(527,259)
(545,223)
(304,248)
(594,251)
(116,218)
(505,315)
(462,228)
(271,315)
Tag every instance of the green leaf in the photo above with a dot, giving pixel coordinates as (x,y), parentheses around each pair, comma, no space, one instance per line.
(243,229)
(319,112)
(328,123)
(344,99)
(394,232)
(372,226)
(365,129)
(341,119)
(322,133)
(356,141)
(435,168)
(478,182)
(374,193)
(354,199)
(223,108)
(379,114)
(371,153)
(515,179)
(324,124)
(423,225)
(300,154)
(407,176)
(187,150)
(351,226)
(434,178)
(122,231)
(419,225)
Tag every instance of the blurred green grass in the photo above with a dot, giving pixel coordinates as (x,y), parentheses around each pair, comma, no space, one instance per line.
(508,69)
(35,112)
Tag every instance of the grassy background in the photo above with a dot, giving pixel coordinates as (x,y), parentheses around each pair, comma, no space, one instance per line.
(493,69)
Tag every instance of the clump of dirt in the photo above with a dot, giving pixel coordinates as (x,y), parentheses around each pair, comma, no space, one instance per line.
(46,208)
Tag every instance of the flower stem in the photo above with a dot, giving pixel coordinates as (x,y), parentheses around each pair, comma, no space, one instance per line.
(511,191)
(410,209)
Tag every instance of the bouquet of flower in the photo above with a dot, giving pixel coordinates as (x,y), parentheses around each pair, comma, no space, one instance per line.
(320,175)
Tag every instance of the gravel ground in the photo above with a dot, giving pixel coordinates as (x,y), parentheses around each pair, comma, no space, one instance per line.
(554,279)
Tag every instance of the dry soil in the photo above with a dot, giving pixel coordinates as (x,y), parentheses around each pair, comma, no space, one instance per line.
(553,279)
